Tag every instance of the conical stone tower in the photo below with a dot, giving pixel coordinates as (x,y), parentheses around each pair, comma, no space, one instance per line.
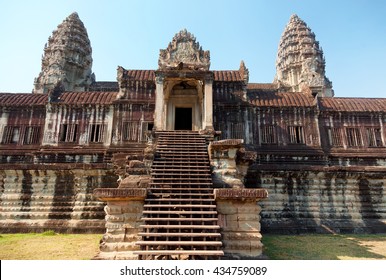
(300,63)
(67,58)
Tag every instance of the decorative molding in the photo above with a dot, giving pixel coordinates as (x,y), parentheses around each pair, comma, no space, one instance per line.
(183,52)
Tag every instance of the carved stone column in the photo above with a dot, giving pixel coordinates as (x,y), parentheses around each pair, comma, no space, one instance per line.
(123,219)
(239,219)
(159,118)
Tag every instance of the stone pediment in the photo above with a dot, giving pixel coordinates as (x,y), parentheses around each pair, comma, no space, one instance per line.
(184,52)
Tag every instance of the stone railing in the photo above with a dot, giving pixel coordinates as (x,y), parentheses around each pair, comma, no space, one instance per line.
(123,219)
(239,219)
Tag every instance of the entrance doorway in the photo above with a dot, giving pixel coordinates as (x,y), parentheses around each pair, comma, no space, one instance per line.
(183,119)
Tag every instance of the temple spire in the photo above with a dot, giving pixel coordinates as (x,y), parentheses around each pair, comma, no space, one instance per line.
(67,58)
(300,63)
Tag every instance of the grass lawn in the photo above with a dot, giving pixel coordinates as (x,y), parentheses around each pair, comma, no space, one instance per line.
(325,247)
(49,246)
(52,246)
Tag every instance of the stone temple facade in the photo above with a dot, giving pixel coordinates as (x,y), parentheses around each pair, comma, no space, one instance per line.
(79,155)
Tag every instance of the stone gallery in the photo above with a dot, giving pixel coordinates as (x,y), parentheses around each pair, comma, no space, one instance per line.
(185,162)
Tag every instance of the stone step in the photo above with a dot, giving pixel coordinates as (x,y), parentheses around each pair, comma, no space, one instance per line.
(179,206)
(187,163)
(180,199)
(181,252)
(180,219)
(179,243)
(181,145)
(181,170)
(181,159)
(177,139)
(198,212)
(186,191)
(181,173)
(180,234)
(181,148)
(192,227)
(182,180)
(182,183)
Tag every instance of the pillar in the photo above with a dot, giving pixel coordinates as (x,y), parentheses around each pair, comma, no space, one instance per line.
(159,118)
(208,105)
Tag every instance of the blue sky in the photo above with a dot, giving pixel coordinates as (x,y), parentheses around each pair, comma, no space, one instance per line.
(130,34)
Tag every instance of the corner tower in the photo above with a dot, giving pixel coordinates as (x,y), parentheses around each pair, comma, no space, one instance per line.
(67,58)
(300,63)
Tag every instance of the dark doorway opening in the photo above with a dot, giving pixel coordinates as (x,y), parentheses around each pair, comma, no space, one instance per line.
(183,119)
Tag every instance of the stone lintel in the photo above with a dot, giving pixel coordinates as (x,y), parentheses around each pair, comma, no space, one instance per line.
(113,194)
(227,144)
(240,194)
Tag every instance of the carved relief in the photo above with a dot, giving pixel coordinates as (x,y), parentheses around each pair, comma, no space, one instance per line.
(184,52)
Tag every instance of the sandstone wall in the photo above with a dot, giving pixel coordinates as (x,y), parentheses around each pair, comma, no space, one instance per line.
(317,201)
(60,200)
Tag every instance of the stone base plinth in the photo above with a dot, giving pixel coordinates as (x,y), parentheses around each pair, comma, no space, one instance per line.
(239,219)
(123,219)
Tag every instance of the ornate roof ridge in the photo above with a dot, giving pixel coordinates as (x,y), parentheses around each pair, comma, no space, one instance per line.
(184,52)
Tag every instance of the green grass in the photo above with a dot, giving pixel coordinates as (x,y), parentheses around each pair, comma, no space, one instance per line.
(324,247)
(49,246)
(52,246)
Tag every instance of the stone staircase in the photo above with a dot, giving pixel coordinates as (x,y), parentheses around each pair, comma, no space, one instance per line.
(180,218)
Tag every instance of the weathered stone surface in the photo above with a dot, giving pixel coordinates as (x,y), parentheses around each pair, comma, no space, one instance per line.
(320,202)
(135,181)
(239,219)
(300,62)
(49,199)
(184,52)
(67,58)
(123,224)
(120,194)
(241,194)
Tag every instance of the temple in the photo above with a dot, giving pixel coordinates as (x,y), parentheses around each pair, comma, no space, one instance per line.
(185,162)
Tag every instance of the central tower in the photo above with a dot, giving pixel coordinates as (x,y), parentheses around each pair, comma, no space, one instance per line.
(183,86)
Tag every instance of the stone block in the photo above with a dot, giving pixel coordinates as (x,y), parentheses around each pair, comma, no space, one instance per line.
(248,217)
(226,207)
(113,231)
(128,255)
(127,246)
(235,235)
(115,218)
(113,209)
(108,247)
(248,208)
(132,237)
(240,245)
(112,238)
(133,207)
(248,226)
(131,217)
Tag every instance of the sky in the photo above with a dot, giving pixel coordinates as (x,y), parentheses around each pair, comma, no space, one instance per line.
(130,33)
